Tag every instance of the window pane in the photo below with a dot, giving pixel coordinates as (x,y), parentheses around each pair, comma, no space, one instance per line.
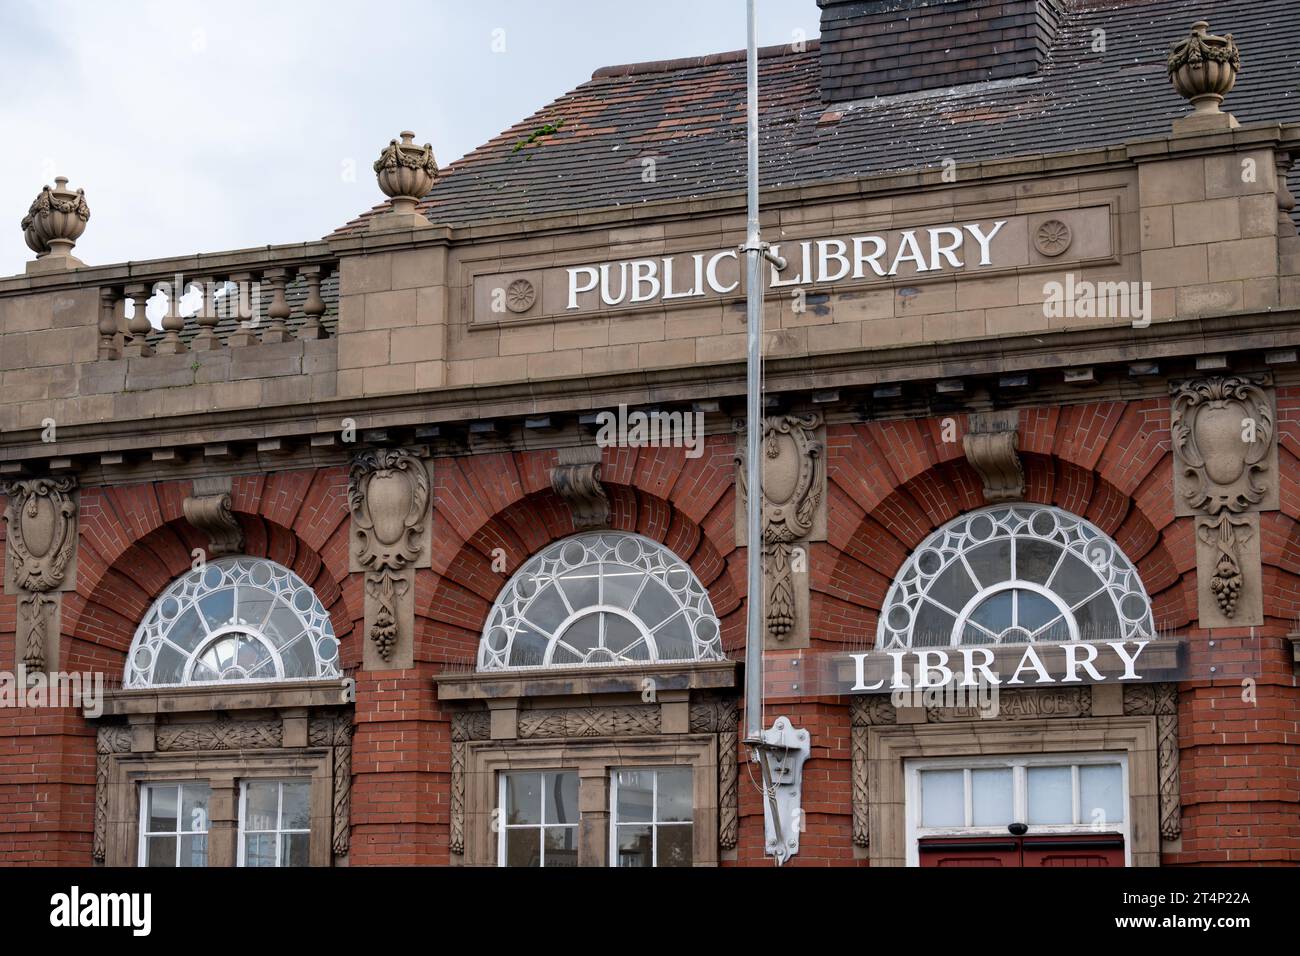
(260,803)
(160,851)
(581,586)
(676,796)
(1050,797)
(634,846)
(259,849)
(991,562)
(1101,794)
(991,802)
(194,807)
(194,850)
(675,845)
(293,849)
(296,811)
(561,797)
(635,796)
(583,634)
(954,588)
(561,846)
(162,810)
(943,798)
(1035,560)
(523,847)
(621,585)
(523,798)
(994,614)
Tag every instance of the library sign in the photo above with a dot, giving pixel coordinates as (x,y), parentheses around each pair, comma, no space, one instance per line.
(834,262)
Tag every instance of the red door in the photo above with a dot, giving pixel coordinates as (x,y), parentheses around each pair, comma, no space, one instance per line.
(1094,849)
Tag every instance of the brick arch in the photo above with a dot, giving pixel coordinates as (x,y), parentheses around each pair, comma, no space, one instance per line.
(687,505)
(889,487)
(134,543)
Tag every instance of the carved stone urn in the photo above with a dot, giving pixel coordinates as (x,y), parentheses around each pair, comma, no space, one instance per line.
(1203,67)
(56,220)
(406,172)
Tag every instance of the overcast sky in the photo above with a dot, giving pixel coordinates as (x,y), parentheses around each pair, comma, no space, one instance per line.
(202,125)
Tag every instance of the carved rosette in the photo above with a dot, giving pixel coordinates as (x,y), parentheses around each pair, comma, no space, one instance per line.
(42,520)
(388,493)
(794,485)
(1224,432)
(1161,701)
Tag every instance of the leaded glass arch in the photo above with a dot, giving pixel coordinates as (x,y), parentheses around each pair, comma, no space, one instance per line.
(1015,574)
(600,598)
(233,619)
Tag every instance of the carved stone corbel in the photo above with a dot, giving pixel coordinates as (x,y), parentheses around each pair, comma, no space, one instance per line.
(576,479)
(41,562)
(1161,701)
(208,511)
(1225,454)
(388,494)
(794,513)
(991,444)
(720,717)
(466,725)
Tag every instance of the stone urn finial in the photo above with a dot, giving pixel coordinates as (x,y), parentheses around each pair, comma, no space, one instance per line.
(56,220)
(406,172)
(1203,67)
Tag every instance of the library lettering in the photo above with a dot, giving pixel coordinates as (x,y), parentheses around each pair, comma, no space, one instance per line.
(429,542)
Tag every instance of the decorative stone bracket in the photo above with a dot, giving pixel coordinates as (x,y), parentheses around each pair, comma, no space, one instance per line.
(208,511)
(576,479)
(40,562)
(991,448)
(388,494)
(794,514)
(1225,473)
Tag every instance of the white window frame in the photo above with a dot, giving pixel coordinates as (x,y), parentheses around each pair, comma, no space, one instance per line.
(1019,794)
(145,833)
(279,830)
(654,822)
(503,826)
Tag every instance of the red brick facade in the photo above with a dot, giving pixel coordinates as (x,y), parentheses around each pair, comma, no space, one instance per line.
(890,484)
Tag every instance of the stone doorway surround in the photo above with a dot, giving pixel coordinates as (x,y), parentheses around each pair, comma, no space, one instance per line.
(223,735)
(593,720)
(1138,720)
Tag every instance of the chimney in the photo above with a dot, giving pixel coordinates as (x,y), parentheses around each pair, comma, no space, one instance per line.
(875,48)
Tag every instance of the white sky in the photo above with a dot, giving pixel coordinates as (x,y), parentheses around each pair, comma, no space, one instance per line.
(202,125)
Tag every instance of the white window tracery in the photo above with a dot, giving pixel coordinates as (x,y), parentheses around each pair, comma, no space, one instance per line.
(233,619)
(1015,574)
(600,598)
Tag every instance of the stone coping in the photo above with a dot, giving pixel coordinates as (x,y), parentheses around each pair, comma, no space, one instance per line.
(266,695)
(905,182)
(1182,338)
(578,681)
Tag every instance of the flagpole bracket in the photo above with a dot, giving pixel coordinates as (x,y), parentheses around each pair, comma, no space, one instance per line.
(782,752)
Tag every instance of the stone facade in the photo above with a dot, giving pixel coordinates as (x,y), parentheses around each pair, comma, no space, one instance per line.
(906,400)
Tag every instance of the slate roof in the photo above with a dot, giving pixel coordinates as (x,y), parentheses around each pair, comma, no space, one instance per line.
(688,115)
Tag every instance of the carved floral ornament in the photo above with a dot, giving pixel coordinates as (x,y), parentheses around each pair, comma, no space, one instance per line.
(388,494)
(42,530)
(793,481)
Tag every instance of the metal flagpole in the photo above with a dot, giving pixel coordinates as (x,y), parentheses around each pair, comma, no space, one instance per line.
(782,750)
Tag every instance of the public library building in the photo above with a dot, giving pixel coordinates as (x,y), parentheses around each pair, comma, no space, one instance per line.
(423,543)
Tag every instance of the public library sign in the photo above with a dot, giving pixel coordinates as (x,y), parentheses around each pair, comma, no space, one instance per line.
(840,260)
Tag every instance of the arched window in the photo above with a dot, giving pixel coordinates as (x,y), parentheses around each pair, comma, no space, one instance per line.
(600,598)
(1015,574)
(233,619)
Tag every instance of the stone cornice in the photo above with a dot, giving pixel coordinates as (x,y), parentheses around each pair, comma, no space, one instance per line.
(275,695)
(571,681)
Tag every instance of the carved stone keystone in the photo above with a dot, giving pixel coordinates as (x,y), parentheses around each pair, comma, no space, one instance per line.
(41,561)
(1225,472)
(208,510)
(576,479)
(388,494)
(794,514)
(991,448)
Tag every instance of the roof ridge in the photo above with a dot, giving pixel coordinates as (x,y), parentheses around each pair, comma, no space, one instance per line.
(689,62)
